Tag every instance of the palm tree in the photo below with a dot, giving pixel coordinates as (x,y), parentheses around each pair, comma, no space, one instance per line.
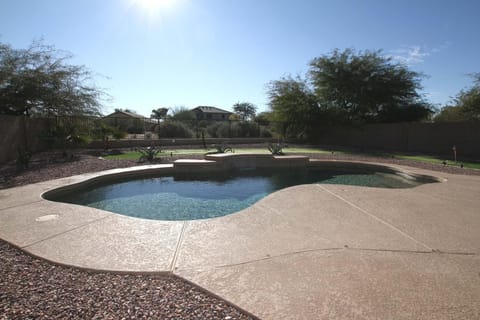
(160,113)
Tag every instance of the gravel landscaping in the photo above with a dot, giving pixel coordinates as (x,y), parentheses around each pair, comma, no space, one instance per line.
(31,288)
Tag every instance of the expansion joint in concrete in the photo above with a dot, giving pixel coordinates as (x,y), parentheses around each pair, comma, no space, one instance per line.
(345,248)
(375,217)
(178,246)
(21,205)
(66,231)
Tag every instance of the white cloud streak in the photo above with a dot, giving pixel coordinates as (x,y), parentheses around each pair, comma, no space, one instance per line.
(411,55)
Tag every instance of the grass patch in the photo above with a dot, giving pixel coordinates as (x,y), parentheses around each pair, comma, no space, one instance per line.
(134,155)
(436,160)
(310,150)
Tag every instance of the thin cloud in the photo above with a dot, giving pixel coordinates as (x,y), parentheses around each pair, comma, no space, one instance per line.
(410,55)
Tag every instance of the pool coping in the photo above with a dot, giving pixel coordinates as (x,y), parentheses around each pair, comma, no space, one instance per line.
(222,162)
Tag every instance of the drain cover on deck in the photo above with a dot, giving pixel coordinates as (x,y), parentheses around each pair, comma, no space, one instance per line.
(48,217)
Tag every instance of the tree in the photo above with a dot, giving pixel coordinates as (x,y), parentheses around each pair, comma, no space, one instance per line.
(367,87)
(294,106)
(468,100)
(234,117)
(245,110)
(264,118)
(159,114)
(449,114)
(38,81)
(103,131)
(465,106)
(183,114)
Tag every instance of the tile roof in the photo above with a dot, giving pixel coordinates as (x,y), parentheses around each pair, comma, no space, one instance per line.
(207,109)
(131,114)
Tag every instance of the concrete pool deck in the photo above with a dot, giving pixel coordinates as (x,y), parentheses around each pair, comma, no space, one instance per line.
(306,252)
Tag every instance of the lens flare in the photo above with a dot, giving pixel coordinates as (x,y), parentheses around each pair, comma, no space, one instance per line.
(154,6)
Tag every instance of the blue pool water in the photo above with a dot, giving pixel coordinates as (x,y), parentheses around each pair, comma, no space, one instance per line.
(209,195)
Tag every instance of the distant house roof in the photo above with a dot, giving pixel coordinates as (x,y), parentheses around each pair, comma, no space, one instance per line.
(207,109)
(125,113)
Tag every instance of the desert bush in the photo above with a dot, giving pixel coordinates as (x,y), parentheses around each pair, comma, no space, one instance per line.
(148,154)
(23,159)
(245,129)
(265,132)
(119,134)
(104,131)
(225,130)
(65,136)
(212,129)
(174,129)
(237,129)
(276,148)
(221,148)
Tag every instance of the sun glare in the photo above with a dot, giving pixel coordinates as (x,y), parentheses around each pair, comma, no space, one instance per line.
(155,6)
(155,11)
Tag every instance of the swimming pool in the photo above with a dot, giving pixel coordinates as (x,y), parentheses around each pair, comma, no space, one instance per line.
(190,196)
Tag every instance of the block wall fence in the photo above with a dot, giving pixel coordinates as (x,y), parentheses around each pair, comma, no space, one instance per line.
(427,138)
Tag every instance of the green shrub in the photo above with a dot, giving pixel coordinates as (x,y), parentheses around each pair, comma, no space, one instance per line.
(236,129)
(222,148)
(119,134)
(245,129)
(225,130)
(212,129)
(135,126)
(183,114)
(65,136)
(276,148)
(174,129)
(264,118)
(148,154)
(265,132)
(103,131)
(23,159)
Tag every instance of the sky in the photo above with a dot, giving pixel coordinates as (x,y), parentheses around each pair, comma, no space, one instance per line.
(148,54)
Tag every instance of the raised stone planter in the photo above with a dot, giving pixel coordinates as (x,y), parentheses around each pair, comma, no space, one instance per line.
(246,160)
(196,165)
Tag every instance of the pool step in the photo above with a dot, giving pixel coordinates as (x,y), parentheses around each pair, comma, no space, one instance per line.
(187,165)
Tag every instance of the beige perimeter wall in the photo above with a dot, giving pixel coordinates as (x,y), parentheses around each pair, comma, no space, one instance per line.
(20,133)
(432,138)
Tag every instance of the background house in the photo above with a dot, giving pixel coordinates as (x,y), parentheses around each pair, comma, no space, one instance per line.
(124,114)
(129,121)
(211,113)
